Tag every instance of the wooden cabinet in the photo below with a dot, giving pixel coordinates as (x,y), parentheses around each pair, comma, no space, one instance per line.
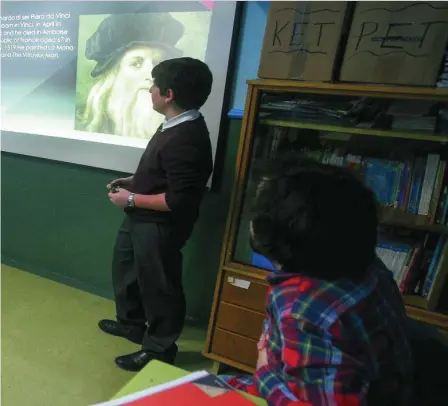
(237,318)
(340,124)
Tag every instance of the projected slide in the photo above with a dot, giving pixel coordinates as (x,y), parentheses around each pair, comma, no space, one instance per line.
(82,70)
(113,76)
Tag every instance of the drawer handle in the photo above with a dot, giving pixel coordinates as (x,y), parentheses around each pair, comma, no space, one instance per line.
(239,283)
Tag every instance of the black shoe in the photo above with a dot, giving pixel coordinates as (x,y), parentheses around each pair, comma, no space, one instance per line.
(138,360)
(131,333)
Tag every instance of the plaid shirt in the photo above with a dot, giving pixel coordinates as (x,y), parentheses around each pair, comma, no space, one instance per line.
(333,344)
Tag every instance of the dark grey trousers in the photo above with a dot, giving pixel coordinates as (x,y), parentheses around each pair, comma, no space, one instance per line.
(147,281)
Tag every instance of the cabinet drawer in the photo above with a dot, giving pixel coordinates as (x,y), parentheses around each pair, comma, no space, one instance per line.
(241,321)
(243,291)
(235,347)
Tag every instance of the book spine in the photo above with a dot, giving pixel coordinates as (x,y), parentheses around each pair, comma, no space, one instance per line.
(404,186)
(410,269)
(441,205)
(397,172)
(437,190)
(416,185)
(428,183)
(432,267)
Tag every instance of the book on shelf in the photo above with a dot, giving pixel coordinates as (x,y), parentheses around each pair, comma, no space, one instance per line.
(409,116)
(410,186)
(419,268)
(196,389)
(412,115)
(418,185)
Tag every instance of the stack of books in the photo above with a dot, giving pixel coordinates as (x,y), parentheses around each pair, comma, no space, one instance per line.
(418,268)
(311,110)
(412,115)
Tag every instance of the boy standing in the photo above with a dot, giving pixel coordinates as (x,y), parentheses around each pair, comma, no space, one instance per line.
(335,327)
(161,201)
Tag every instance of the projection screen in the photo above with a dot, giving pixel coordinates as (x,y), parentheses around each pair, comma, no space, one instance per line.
(72,73)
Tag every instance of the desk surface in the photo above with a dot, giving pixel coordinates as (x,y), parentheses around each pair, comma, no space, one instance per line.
(156,373)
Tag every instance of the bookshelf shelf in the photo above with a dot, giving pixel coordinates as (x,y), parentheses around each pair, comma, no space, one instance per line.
(294,86)
(397,164)
(415,301)
(356,131)
(439,320)
(396,217)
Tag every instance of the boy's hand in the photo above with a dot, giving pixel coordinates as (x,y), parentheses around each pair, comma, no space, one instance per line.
(262,358)
(120,182)
(262,342)
(120,198)
(262,353)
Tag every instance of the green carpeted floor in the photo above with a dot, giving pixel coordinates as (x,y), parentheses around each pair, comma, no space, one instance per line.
(52,351)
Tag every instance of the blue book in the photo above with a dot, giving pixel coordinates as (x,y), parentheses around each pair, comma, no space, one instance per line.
(433,266)
(405,175)
(396,171)
(379,177)
(416,185)
(262,262)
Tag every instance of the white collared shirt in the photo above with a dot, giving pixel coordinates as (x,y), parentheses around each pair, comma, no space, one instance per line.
(188,115)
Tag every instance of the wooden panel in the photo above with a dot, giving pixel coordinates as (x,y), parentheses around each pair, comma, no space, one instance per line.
(235,347)
(415,301)
(243,291)
(243,162)
(341,88)
(238,320)
(436,319)
(412,218)
(248,120)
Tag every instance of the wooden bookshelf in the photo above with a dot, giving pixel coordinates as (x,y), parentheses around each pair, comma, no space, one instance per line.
(239,300)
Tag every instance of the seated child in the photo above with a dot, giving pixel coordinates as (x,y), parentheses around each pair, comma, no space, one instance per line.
(335,327)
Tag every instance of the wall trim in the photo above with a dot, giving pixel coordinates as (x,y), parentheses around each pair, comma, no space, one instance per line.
(55,277)
(80,285)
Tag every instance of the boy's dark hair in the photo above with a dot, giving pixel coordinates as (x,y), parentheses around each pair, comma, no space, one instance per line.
(189,79)
(314,219)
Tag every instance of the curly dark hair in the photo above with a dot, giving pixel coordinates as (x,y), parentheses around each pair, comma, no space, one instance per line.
(314,219)
(190,80)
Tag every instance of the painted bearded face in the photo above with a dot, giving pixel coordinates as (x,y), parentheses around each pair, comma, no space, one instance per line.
(121,99)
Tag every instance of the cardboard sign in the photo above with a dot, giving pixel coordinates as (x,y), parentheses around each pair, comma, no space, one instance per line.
(396,42)
(301,40)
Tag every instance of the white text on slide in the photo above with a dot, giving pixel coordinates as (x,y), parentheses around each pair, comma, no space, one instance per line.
(35,36)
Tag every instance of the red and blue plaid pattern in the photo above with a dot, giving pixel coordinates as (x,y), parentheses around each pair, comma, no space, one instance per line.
(333,344)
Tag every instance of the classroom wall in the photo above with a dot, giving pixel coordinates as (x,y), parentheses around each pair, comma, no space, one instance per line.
(58,223)
(253,23)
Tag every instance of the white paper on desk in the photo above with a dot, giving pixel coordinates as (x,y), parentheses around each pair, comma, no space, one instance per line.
(155,389)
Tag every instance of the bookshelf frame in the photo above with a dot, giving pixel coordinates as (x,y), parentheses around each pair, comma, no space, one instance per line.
(227,335)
